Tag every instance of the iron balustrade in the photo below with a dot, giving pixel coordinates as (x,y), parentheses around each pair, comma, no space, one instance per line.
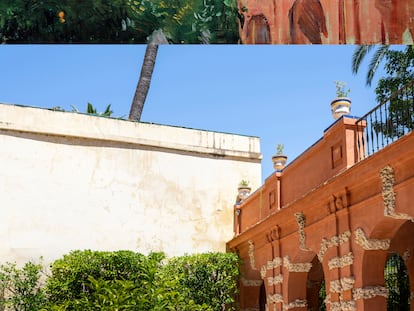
(387,122)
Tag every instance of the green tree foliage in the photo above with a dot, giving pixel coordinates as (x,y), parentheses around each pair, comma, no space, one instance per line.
(117,21)
(21,289)
(99,21)
(216,21)
(322,297)
(397,283)
(399,66)
(70,279)
(124,280)
(211,278)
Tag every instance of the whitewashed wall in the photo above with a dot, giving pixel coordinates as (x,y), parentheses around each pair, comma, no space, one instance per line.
(72,181)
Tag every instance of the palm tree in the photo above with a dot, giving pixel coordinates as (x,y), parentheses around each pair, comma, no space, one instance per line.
(359,54)
(144,82)
(182,21)
(147,69)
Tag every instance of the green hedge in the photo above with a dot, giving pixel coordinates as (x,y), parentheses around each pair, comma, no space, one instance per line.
(70,275)
(212,278)
(124,280)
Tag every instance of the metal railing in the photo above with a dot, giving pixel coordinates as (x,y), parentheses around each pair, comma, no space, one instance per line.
(387,122)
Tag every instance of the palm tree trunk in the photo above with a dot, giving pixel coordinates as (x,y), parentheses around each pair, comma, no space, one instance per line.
(144,82)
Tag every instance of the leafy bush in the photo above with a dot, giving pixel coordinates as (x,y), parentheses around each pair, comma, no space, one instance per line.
(209,278)
(21,288)
(70,279)
(123,280)
(118,21)
(162,294)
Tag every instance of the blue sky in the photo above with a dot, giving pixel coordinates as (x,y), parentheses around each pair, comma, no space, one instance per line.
(280,93)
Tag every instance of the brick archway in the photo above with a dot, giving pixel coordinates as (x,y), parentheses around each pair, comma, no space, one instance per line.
(397,283)
(258,30)
(403,244)
(390,236)
(316,279)
(307,274)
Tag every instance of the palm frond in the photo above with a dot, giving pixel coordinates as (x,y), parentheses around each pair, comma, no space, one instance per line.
(375,61)
(74,108)
(359,55)
(108,112)
(90,109)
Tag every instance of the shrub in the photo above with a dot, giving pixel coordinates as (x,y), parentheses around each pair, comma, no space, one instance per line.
(123,280)
(209,278)
(70,279)
(21,288)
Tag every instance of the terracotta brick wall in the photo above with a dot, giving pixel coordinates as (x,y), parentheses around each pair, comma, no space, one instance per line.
(327,21)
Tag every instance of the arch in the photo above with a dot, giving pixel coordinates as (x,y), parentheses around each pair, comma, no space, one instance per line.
(315,287)
(372,278)
(262,298)
(258,30)
(397,283)
(307,22)
(305,283)
(375,262)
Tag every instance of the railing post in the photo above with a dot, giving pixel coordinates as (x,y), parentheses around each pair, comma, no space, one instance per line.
(360,140)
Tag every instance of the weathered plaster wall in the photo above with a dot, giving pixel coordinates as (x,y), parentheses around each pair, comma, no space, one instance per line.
(72,181)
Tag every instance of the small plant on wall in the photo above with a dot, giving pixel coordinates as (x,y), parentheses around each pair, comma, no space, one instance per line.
(341,90)
(279,148)
(244,183)
(244,190)
(279,159)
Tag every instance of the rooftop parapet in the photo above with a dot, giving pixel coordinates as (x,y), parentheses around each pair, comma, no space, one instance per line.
(180,139)
(335,152)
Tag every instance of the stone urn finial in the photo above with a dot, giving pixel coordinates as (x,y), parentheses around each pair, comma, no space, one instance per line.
(341,105)
(279,159)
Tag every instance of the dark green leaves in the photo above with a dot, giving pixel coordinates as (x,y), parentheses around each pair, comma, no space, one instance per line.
(123,280)
(117,21)
(21,288)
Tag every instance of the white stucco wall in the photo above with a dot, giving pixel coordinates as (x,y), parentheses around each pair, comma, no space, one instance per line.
(72,181)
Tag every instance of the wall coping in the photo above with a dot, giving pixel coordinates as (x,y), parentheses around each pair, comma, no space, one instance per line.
(27,119)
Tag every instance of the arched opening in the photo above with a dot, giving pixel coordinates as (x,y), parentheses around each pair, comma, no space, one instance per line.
(262,298)
(258,30)
(381,263)
(397,283)
(315,287)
